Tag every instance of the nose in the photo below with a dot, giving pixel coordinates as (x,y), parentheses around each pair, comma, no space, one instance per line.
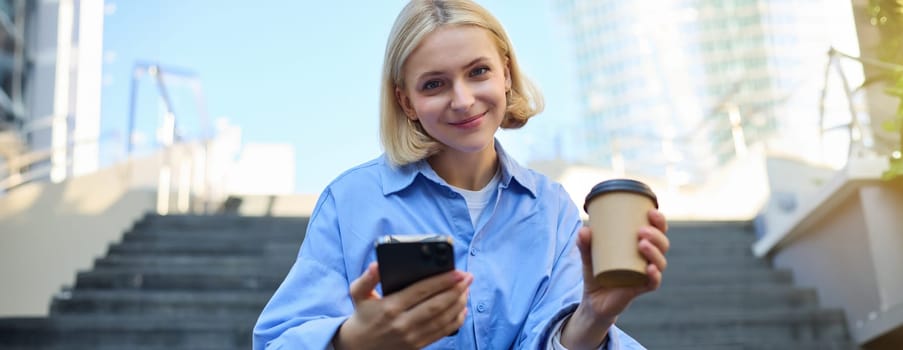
(462,97)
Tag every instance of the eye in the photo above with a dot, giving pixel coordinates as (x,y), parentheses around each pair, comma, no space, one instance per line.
(479,71)
(432,84)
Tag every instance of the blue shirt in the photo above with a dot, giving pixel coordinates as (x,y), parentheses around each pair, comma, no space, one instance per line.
(523,255)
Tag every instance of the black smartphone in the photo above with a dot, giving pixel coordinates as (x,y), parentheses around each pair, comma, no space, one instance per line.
(406,259)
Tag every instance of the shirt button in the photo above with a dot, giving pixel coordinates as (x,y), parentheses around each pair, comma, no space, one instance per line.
(481,307)
(473,251)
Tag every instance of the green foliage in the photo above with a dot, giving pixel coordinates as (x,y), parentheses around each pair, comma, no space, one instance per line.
(891,125)
(896,125)
(894,171)
(887,15)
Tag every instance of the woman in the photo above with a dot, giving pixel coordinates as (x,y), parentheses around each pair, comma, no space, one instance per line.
(450,80)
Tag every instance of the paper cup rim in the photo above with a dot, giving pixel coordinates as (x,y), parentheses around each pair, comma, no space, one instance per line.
(620,185)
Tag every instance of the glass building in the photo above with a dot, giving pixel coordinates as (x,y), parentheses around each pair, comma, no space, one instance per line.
(677,88)
(50,83)
(12,63)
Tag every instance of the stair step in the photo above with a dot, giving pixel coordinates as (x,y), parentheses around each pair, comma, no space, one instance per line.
(264,271)
(716,237)
(199,247)
(171,280)
(215,235)
(715,227)
(222,221)
(690,328)
(752,297)
(171,303)
(732,250)
(705,262)
(209,262)
(679,276)
(92,331)
(761,344)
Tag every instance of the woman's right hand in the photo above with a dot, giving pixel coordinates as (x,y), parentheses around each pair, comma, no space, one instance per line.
(411,318)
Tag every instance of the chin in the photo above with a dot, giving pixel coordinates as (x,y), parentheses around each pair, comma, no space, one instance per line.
(473,147)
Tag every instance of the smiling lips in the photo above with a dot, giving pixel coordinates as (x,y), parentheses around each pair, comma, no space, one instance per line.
(471,122)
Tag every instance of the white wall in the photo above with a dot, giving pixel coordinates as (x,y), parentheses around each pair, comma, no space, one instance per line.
(50,231)
(845,240)
(792,184)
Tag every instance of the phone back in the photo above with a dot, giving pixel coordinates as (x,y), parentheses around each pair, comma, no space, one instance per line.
(404,263)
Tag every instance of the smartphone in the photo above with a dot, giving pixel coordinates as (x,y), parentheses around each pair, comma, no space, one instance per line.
(406,259)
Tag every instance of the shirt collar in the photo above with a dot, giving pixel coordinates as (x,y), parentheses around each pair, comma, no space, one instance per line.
(397,178)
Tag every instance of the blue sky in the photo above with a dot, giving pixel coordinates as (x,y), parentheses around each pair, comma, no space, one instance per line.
(307,73)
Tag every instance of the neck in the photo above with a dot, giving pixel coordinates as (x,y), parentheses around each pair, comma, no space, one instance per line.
(470,171)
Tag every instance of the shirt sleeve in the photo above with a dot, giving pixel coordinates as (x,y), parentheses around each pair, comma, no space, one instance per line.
(559,297)
(299,316)
(555,341)
(611,342)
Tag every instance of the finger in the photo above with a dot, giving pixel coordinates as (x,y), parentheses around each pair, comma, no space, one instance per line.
(455,325)
(459,322)
(584,239)
(425,312)
(655,277)
(657,219)
(444,322)
(656,237)
(653,255)
(363,287)
(440,321)
(426,288)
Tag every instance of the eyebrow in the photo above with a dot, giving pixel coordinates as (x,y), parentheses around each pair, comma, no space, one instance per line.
(432,73)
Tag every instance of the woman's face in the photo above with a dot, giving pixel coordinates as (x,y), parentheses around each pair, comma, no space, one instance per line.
(455,83)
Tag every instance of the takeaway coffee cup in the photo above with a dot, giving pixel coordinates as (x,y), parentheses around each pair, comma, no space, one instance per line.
(617,209)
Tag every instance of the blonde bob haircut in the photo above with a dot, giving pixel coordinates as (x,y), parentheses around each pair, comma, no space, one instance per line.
(404,140)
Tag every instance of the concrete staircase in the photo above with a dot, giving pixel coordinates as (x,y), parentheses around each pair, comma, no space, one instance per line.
(717,295)
(173,282)
(191,282)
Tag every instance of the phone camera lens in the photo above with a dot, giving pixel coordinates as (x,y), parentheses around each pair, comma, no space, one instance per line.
(443,254)
(425,252)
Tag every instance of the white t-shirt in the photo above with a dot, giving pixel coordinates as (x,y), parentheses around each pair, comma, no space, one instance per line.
(478,200)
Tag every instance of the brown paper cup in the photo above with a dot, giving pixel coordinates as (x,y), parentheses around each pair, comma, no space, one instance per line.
(617,209)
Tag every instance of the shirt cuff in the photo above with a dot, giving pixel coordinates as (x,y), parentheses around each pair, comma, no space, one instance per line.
(616,340)
(555,341)
(313,334)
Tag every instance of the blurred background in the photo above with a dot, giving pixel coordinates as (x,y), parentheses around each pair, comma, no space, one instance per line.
(685,94)
(772,113)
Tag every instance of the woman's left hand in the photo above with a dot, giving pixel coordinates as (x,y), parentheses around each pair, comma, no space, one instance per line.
(600,307)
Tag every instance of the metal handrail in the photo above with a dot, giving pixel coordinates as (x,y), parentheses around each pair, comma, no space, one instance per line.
(161,74)
(833,62)
(13,169)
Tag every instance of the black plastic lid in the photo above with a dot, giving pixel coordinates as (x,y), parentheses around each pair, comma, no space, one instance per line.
(621,185)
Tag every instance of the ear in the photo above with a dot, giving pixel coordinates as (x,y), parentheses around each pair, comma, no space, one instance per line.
(405,103)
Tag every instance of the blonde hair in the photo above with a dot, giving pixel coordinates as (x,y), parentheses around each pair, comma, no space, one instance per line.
(404,140)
